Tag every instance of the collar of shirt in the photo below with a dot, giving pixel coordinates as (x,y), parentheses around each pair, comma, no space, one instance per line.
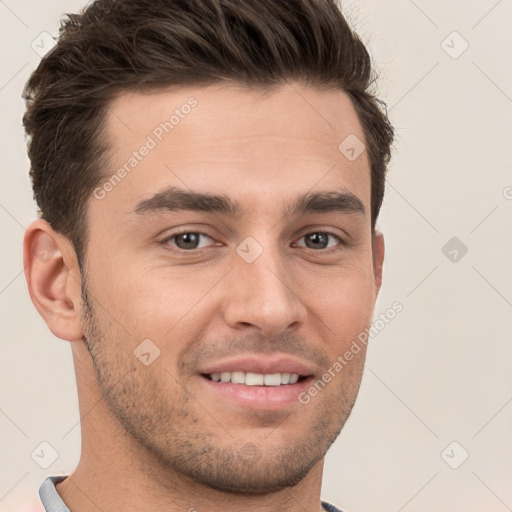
(50,498)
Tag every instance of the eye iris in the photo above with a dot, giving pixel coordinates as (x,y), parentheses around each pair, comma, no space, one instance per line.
(187,240)
(317,238)
(191,240)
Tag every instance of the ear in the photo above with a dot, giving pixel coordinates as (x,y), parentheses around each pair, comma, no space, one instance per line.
(53,279)
(378,259)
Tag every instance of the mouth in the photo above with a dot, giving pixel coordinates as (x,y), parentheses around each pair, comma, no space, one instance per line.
(256,382)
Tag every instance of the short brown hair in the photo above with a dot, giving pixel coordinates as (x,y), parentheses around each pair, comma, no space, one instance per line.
(119,45)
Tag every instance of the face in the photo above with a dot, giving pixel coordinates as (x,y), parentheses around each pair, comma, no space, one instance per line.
(227,268)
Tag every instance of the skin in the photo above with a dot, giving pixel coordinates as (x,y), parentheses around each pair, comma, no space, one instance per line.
(176,445)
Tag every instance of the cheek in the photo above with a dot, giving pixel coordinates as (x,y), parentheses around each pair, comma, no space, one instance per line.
(348,287)
(143,296)
(167,306)
(344,302)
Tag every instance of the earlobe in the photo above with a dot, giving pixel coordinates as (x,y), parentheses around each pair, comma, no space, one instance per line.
(378,259)
(53,279)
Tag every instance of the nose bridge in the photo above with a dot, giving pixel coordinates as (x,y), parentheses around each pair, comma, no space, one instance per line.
(260,289)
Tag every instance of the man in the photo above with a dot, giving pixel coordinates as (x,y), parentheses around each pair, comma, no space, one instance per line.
(209,174)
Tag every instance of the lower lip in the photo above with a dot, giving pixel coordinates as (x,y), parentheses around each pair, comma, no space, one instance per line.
(259,397)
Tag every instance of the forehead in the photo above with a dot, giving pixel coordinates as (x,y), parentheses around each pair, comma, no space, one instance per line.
(231,140)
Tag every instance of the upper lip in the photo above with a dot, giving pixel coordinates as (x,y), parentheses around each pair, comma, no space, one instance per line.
(259,364)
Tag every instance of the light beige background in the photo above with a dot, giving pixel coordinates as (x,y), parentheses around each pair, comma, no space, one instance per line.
(441,371)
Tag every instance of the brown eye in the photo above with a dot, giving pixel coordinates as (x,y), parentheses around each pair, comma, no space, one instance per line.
(186,241)
(320,240)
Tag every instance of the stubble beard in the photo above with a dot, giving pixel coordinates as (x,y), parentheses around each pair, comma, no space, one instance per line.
(173,440)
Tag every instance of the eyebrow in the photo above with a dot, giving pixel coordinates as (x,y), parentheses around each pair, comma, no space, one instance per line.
(176,199)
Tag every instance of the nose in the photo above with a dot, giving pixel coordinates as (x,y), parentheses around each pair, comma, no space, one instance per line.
(263,295)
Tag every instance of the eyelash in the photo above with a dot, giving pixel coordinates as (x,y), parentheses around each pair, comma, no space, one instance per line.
(328,250)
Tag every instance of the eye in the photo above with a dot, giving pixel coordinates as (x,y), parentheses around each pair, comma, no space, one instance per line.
(320,240)
(188,240)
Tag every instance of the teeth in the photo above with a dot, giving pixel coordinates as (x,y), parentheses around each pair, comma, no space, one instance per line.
(272,379)
(255,379)
(238,378)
